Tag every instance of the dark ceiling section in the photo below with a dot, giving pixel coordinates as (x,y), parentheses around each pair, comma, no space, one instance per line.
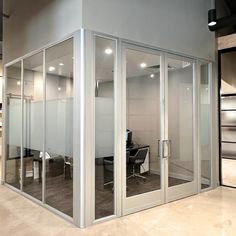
(225,8)
(231,6)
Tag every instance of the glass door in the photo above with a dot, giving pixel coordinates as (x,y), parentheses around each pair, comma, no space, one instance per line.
(181,176)
(158,146)
(143,130)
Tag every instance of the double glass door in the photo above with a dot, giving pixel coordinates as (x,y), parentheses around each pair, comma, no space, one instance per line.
(158,148)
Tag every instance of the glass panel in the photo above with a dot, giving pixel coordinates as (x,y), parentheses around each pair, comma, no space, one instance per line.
(142,122)
(33,125)
(180,123)
(228,118)
(59,127)
(205,127)
(228,73)
(228,103)
(228,134)
(13,125)
(228,150)
(228,172)
(104,127)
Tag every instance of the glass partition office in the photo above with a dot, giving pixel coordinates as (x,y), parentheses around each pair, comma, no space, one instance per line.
(39,126)
(134,112)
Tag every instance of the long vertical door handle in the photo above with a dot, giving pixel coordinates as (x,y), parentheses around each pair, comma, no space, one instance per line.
(169,148)
(165,149)
(158,148)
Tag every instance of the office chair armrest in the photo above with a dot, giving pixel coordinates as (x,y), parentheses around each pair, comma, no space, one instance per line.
(132,159)
(108,162)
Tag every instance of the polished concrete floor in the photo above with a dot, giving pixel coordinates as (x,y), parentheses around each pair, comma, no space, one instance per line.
(211,213)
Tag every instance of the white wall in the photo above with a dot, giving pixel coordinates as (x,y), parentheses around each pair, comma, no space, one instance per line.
(177,25)
(33,24)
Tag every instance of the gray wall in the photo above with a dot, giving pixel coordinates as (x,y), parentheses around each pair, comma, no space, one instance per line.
(177,25)
(33,24)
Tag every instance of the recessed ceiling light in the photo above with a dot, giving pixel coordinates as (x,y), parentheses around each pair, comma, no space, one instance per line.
(59,88)
(18,82)
(152,75)
(51,68)
(108,51)
(143,65)
(61,64)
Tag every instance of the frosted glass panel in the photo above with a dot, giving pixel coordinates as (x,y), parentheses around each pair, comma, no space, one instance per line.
(228,134)
(13,125)
(228,118)
(33,125)
(59,127)
(228,103)
(228,150)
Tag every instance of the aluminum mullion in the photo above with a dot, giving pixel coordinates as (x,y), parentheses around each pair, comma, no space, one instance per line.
(164,123)
(116,127)
(210,81)
(199,156)
(196,112)
(22,127)
(4,133)
(44,129)
(82,170)
(118,135)
(123,127)
(76,129)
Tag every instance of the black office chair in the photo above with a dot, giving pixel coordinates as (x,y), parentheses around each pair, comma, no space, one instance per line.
(109,165)
(137,162)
